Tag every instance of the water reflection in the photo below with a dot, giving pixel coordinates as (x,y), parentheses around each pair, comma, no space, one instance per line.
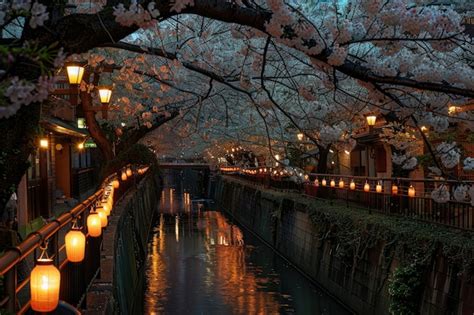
(201,263)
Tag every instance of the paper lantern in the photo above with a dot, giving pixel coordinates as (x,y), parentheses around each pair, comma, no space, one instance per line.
(394,189)
(124,176)
(323,182)
(103,216)
(129,172)
(378,188)
(332,183)
(411,191)
(116,183)
(366,187)
(94,224)
(316,182)
(352,185)
(45,279)
(75,245)
(341,183)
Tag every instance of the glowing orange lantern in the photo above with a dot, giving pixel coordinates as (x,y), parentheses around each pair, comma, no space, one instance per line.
(129,172)
(94,224)
(411,191)
(44,143)
(366,187)
(332,183)
(45,279)
(124,176)
(75,244)
(323,182)
(103,216)
(341,183)
(378,188)
(352,185)
(116,184)
(394,189)
(316,182)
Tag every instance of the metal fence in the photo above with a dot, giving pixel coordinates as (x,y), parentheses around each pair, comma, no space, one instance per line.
(393,196)
(16,263)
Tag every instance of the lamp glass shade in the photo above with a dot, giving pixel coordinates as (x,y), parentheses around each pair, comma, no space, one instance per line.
(80,145)
(103,216)
(411,191)
(94,224)
(74,74)
(341,184)
(366,187)
(394,189)
(44,143)
(124,176)
(45,279)
(129,172)
(371,119)
(104,95)
(75,245)
(332,183)
(116,183)
(352,185)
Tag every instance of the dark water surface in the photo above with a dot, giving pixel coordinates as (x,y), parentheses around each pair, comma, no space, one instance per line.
(199,262)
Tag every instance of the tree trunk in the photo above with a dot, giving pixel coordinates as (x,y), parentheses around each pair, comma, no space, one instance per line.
(323,159)
(94,129)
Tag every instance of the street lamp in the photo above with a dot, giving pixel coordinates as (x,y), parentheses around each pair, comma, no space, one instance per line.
(44,143)
(300,136)
(371,119)
(105,93)
(74,73)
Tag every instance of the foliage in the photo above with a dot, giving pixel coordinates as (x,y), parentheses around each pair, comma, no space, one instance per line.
(136,154)
(405,289)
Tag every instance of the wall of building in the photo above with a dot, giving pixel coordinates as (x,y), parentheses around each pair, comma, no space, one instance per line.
(286,222)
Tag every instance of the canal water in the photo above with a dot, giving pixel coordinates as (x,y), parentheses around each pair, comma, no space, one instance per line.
(200,262)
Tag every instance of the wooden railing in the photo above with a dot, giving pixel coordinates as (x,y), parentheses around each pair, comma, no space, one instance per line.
(418,204)
(17,262)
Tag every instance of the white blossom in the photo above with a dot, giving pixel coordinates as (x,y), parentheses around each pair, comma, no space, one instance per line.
(410,163)
(38,15)
(469,164)
(449,154)
(460,192)
(440,194)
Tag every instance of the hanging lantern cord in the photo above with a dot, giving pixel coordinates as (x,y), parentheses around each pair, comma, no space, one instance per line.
(44,250)
(74,224)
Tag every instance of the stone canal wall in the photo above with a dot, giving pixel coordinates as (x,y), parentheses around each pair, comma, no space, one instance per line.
(372,263)
(120,285)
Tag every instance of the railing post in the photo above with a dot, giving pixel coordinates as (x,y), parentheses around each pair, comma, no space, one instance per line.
(10,288)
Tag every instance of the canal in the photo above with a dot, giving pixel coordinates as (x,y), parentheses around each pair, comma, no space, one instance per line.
(200,262)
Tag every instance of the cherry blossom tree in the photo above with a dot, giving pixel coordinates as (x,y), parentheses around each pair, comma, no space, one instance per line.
(245,68)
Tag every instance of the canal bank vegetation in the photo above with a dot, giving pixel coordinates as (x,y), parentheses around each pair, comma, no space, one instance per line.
(408,248)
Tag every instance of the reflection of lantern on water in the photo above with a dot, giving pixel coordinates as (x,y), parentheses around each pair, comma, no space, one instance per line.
(176,228)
